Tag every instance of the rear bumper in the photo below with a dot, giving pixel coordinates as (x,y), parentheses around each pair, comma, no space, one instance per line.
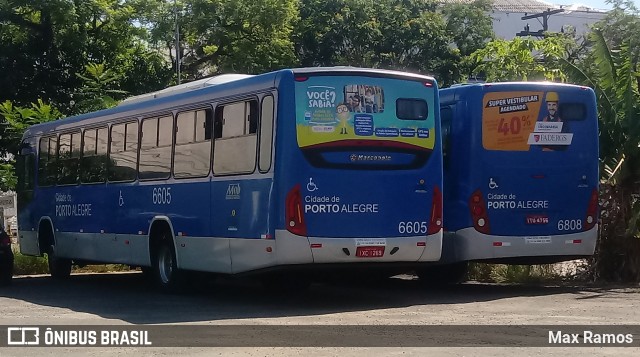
(294,249)
(469,244)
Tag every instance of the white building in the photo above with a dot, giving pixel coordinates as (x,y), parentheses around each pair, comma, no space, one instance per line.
(507,17)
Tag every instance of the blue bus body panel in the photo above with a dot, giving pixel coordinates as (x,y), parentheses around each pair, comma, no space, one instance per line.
(216,219)
(340,198)
(529,187)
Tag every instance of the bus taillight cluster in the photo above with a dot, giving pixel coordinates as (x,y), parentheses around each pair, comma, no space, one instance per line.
(479,212)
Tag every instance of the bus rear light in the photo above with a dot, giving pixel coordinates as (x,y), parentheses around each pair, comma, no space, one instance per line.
(301,78)
(293,212)
(428,84)
(501,244)
(479,213)
(436,212)
(592,211)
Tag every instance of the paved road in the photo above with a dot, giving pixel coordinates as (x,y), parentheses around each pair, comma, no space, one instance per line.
(99,299)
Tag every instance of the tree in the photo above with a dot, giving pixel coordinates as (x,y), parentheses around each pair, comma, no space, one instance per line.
(97,92)
(522,58)
(407,35)
(44,43)
(218,36)
(612,69)
(14,121)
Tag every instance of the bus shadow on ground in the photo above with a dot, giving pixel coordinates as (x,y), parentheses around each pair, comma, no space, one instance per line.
(131,298)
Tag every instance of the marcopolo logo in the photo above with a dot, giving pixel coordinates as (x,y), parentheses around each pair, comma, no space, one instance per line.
(550,139)
(362,157)
(233,191)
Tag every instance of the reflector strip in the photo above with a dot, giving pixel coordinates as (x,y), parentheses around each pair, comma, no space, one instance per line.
(316,245)
(422,244)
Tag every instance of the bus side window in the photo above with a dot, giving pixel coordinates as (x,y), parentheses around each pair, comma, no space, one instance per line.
(26,167)
(192,156)
(68,158)
(446,116)
(123,152)
(266,133)
(94,160)
(47,165)
(155,148)
(236,141)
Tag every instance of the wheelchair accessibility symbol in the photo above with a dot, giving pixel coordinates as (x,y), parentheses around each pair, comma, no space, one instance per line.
(311,186)
(492,184)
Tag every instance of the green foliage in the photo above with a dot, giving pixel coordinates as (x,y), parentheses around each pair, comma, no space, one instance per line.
(14,121)
(218,36)
(514,274)
(410,35)
(96,92)
(522,58)
(28,265)
(44,43)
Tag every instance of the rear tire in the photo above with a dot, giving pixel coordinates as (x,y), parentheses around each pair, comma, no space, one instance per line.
(59,268)
(447,274)
(167,276)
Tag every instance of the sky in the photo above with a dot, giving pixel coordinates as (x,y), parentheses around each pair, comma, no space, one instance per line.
(597,4)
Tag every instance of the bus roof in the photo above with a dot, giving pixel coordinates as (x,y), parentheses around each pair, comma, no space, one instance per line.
(175,95)
(452,93)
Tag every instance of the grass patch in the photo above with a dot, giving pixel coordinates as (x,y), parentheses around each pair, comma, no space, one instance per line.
(28,265)
(514,274)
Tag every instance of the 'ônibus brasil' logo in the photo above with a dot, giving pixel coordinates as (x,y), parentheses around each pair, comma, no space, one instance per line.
(233,191)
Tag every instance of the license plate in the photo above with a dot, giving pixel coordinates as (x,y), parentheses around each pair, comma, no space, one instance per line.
(370,252)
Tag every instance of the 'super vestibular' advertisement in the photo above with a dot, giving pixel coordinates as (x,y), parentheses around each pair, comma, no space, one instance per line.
(331,109)
(523,121)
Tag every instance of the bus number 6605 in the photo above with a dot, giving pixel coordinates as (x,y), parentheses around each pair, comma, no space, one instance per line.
(161,195)
(412,227)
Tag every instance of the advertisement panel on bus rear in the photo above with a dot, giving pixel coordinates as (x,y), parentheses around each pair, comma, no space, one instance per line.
(524,121)
(333,109)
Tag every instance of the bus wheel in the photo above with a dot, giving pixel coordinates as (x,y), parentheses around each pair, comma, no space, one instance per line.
(59,268)
(443,274)
(168,277)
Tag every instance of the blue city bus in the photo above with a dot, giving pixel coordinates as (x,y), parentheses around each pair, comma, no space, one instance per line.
(520,172)
(312,167)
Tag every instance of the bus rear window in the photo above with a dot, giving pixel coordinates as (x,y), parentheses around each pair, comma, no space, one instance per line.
(411,109)
(572,111)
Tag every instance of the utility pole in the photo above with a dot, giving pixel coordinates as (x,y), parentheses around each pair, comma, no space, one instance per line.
(178,60)
(545,25)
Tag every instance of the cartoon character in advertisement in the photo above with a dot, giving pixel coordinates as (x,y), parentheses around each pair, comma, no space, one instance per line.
(343,117)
